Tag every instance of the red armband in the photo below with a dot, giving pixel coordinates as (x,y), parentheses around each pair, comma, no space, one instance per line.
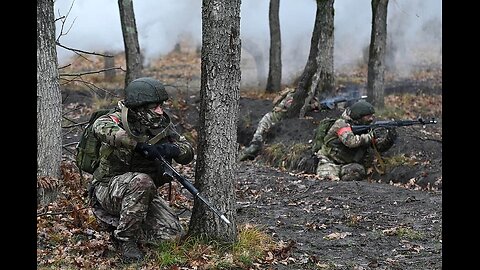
(115,119)
(343,130)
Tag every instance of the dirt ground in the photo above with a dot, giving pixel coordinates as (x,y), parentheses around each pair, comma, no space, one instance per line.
(390,221)
(387,221)
(343,225)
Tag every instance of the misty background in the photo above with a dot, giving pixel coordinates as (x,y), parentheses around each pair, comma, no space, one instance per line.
(414,31)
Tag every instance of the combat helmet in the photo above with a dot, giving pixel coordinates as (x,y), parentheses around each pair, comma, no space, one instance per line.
(360,109)
(144,91)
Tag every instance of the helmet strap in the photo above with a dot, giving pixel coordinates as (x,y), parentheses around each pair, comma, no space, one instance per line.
(143,138)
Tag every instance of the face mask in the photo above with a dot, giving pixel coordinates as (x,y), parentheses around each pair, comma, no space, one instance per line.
(147,117)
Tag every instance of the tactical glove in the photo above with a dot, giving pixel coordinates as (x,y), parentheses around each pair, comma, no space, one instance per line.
(384,138)
(168,150)
(368,137)
(372,136)
(147,150)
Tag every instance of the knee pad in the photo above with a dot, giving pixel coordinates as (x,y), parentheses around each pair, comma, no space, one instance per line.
(143,181)
(328,171)
(352,172)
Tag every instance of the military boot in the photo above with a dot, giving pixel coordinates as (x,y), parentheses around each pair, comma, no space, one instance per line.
(252,151)
(130,251)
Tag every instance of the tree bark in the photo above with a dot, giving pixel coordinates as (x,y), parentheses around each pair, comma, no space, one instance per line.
(49,102)
(108,64)
(130,41)
(274,79)
(219,94)
(319,76)
(376,55)
(311,66)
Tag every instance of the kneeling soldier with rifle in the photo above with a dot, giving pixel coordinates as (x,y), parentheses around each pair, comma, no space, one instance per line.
(344,150)
(280,106)
(134,138)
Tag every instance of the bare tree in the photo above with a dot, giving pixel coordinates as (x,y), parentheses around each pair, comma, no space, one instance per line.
(109,66)
(274,79)
(305,78)
(318,75)
(49,105)
(376,55)
(217,140)
(130,41)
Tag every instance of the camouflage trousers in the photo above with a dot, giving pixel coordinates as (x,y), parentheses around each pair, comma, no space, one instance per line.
(272,118)
(266,123)
(327,169)
(136,209)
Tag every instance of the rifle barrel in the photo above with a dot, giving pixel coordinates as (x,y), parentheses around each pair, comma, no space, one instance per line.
(191,188)
(330,103)
(359,129)
(213,209)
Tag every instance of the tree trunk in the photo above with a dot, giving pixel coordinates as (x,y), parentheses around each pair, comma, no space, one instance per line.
(217,140)
(319,78)
(108,65)
(376,55)
(275,67)
(327,79)
(49,103)
(306,78)
(130,41)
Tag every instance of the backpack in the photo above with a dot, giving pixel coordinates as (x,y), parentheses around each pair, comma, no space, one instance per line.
(87,150)
(321,132)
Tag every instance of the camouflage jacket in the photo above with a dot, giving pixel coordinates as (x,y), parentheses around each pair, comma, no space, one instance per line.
(341,145)
(117,154)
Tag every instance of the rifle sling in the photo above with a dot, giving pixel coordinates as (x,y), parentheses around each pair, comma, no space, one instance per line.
(382,168)
(144,138)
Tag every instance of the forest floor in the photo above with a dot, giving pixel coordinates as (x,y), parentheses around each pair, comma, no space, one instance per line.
(388,221)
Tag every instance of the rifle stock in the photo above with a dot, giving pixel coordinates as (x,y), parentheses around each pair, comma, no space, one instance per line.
(170,171)
(361,129)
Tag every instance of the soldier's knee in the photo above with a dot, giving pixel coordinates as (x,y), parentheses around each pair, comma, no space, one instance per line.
(352,172)
(143,181)
(328,171)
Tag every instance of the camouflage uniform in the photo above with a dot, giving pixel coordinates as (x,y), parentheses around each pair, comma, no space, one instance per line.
(281,104)
(343,151)
(125,183)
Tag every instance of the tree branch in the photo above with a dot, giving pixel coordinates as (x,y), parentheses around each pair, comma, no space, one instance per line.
(90,85)
(88,72)
(81,51)
(76,124)
(61,213)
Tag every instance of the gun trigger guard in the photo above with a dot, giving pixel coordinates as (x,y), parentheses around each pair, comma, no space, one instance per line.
(167,172)
(167,175)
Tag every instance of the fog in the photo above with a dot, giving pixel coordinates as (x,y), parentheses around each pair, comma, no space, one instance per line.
(414,29)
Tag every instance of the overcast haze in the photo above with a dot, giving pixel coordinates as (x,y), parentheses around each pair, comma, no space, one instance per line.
(413,25)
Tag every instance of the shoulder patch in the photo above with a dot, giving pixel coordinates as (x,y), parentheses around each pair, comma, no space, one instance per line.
(343,130)
(114,118)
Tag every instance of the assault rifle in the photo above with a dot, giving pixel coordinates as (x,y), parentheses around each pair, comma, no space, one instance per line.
(360,129)
(331,103)
(171,172)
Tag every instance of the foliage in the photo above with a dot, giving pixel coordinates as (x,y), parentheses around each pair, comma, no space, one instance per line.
(296,153)
(68,237)
(275,153)
(411,106)
(404,232)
